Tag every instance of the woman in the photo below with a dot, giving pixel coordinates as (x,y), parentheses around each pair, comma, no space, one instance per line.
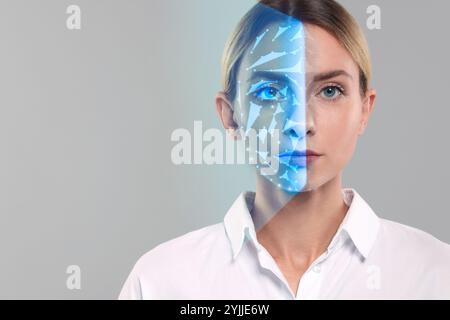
(299,71)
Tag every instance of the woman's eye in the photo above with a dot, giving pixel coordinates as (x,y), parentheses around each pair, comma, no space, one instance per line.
(269,94)
(331,92)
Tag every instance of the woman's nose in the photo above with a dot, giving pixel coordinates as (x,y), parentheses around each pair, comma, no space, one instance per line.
(294,128)
(298,125)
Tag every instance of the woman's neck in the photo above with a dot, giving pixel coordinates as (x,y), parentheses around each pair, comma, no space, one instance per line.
(297,227)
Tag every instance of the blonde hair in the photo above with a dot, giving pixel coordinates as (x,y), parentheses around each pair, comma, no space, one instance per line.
(327,14)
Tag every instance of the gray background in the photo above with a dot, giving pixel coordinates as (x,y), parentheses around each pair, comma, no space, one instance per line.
(86,118)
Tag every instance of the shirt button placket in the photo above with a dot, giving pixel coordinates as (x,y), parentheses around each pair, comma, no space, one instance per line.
(310,283)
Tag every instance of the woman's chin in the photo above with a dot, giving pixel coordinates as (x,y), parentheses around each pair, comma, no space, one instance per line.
(292,187)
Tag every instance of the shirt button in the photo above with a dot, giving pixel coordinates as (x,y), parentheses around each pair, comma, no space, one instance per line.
(316,269)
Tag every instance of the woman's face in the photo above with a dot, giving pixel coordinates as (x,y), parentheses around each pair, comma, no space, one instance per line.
(298,81)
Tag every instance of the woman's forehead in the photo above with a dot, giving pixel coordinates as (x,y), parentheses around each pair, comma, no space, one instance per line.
(278,45)
(325,52)
(285,35)
(293,47)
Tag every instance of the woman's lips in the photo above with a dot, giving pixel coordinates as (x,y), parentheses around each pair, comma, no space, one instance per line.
(298,153)
(299,158)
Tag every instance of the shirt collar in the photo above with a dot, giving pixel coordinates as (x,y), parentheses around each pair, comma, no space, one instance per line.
(238,221)
(360,222)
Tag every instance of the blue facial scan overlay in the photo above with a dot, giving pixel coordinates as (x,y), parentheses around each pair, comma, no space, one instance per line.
(270,98)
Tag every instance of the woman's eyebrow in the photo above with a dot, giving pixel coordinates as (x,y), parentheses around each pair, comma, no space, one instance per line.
(281,77)
(330,74)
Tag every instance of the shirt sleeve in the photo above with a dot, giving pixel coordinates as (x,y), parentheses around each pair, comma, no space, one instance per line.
(442,276)
(131,290)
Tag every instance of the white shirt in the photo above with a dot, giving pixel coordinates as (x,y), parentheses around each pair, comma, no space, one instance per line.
(368,258)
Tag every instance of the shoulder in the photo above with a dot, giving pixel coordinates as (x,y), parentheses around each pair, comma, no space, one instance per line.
(410,238)
(189,245)
(173,263)
(416,255)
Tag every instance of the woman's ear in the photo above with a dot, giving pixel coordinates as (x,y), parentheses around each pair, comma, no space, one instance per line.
(368,106)
(225,111)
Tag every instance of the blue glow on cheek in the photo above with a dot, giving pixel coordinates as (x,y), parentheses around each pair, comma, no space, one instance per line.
(275,100)
(253,114)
